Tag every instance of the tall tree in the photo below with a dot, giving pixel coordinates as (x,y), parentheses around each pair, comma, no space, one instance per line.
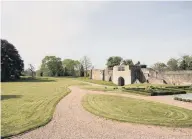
(51,66)
(185,62)
(11,62)
(32,69)
(68,65)
(113,61)
(190,66)
(183,65)
(128,62)
(77,66)
(71,67)
(82,72)
(86,63)
(172,64)
(159,66)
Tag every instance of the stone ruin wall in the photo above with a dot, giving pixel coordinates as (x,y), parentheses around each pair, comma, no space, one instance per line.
(169,77)
(135,74)
(176,77)
(148,75)
(97,74)
(108,75)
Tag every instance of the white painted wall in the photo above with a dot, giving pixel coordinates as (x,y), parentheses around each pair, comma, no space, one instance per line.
(125,74)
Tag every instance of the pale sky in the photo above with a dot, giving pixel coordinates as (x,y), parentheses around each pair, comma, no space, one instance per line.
(148,32)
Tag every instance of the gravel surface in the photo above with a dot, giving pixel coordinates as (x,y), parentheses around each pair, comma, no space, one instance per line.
(71,121)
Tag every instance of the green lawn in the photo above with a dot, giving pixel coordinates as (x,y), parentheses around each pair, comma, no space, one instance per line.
(27,104)
(100,82)
(138,89)
(147,84)
(137,111)
(100,88)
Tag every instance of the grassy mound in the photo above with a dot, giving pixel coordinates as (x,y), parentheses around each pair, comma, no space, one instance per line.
(137,111)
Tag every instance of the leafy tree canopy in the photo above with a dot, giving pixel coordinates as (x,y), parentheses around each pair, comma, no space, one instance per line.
(86,63)
(51,66)
(11,62)
(172,64)
(71,67)
(113,61)
(159,66)
(185,62)
(128,62)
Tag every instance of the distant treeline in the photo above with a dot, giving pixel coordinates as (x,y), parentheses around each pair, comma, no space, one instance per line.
(182,63)
(12,66)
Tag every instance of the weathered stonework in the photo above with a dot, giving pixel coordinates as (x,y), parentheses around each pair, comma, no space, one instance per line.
(167,77)
(108,75)
(97,74)
(134,74)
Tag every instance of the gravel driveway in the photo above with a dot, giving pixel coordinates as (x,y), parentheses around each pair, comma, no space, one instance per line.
(71,121)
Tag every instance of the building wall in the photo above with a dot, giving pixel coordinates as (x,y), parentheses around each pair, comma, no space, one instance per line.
(97,74)
(136,74)
(169,77)
(131,74)
(176,77)
(108,75)
(125,74)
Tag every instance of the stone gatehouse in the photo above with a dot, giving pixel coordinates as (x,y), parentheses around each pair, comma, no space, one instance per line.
(124,75)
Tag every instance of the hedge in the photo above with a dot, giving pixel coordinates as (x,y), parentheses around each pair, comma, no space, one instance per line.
(152,91)
(181,99)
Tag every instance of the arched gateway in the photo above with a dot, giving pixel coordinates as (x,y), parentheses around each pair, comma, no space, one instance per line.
(121,81)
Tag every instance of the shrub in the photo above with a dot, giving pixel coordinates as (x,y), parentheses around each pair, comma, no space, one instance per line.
(180,99)
(176,98)
(155,91)
(184,100)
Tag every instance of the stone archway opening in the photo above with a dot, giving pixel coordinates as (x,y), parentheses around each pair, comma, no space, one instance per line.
(121,81)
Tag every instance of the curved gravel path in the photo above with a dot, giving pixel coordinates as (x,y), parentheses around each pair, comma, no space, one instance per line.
(71,121)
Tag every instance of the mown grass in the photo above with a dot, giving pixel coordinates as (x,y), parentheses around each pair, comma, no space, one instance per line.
(147,84)
(139,89)
(137,111)
(100,82)
(30,103)
(100,88)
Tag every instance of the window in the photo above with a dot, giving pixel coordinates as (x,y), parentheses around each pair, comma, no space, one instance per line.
(121,68)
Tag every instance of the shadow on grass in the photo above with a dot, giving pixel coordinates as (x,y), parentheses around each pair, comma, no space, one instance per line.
(5,97)
(30,79)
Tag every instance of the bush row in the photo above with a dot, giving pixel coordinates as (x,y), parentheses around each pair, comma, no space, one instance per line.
(166,92)
(179,87)
(152,91)
(182,99)
(183,88)
(136,91)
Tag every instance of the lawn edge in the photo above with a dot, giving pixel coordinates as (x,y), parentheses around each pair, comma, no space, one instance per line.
(44,123)
(86,107)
